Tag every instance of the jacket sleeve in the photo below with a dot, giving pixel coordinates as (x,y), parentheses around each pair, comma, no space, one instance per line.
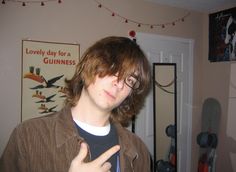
(13,158)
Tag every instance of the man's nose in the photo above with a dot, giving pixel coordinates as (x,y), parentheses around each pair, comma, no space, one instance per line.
(118,83)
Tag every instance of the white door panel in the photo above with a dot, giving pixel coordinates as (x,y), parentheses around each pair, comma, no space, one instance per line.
(162,49)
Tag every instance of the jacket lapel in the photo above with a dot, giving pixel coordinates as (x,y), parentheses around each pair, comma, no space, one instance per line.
(128,152)
(65,129)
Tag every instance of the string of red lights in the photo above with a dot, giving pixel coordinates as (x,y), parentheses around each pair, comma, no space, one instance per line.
(24,3)
(139,24)
(113,13)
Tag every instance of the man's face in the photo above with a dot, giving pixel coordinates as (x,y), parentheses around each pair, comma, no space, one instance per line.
(107,93)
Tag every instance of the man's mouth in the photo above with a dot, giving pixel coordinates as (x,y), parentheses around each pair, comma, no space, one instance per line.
(109,94)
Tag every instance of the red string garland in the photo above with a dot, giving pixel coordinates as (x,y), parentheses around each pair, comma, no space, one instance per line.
(41,2)
(139,24)
(113,13)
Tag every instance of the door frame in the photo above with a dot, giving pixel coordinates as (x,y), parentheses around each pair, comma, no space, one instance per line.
(190,42)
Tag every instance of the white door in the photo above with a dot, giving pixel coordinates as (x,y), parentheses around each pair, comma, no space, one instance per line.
(164,49)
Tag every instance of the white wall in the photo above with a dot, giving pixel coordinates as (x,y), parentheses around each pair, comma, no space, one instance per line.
(230,129)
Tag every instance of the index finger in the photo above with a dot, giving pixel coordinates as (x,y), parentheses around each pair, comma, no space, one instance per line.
(106,155)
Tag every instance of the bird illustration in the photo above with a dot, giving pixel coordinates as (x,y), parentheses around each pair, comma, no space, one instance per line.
(47,99)
(49,83)
(47,110)
(63,91)
(38,94)
(42,107)
(36,77)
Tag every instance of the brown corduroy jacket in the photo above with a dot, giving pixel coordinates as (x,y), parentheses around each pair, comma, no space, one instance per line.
(50,143)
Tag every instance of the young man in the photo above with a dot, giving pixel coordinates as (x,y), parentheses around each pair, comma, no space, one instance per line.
(88,134)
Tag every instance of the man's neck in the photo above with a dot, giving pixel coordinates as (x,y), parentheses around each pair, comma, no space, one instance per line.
(84,111)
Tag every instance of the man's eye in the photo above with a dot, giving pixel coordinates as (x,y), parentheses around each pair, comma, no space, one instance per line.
(131,81)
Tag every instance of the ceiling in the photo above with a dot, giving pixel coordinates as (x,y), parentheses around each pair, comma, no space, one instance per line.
(207,6)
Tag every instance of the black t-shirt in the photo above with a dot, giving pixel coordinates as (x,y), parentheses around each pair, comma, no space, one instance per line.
(100,144)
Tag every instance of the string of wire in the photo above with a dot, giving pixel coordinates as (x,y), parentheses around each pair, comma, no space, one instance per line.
(163,87)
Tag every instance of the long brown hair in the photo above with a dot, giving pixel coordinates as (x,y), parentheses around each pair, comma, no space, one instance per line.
(110,56)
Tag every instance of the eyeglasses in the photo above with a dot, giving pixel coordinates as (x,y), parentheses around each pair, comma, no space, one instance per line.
(132,81)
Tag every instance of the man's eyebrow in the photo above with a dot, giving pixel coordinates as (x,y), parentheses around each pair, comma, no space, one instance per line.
(134,74)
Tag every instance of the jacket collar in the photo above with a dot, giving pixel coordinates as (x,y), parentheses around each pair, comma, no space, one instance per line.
(65,128)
